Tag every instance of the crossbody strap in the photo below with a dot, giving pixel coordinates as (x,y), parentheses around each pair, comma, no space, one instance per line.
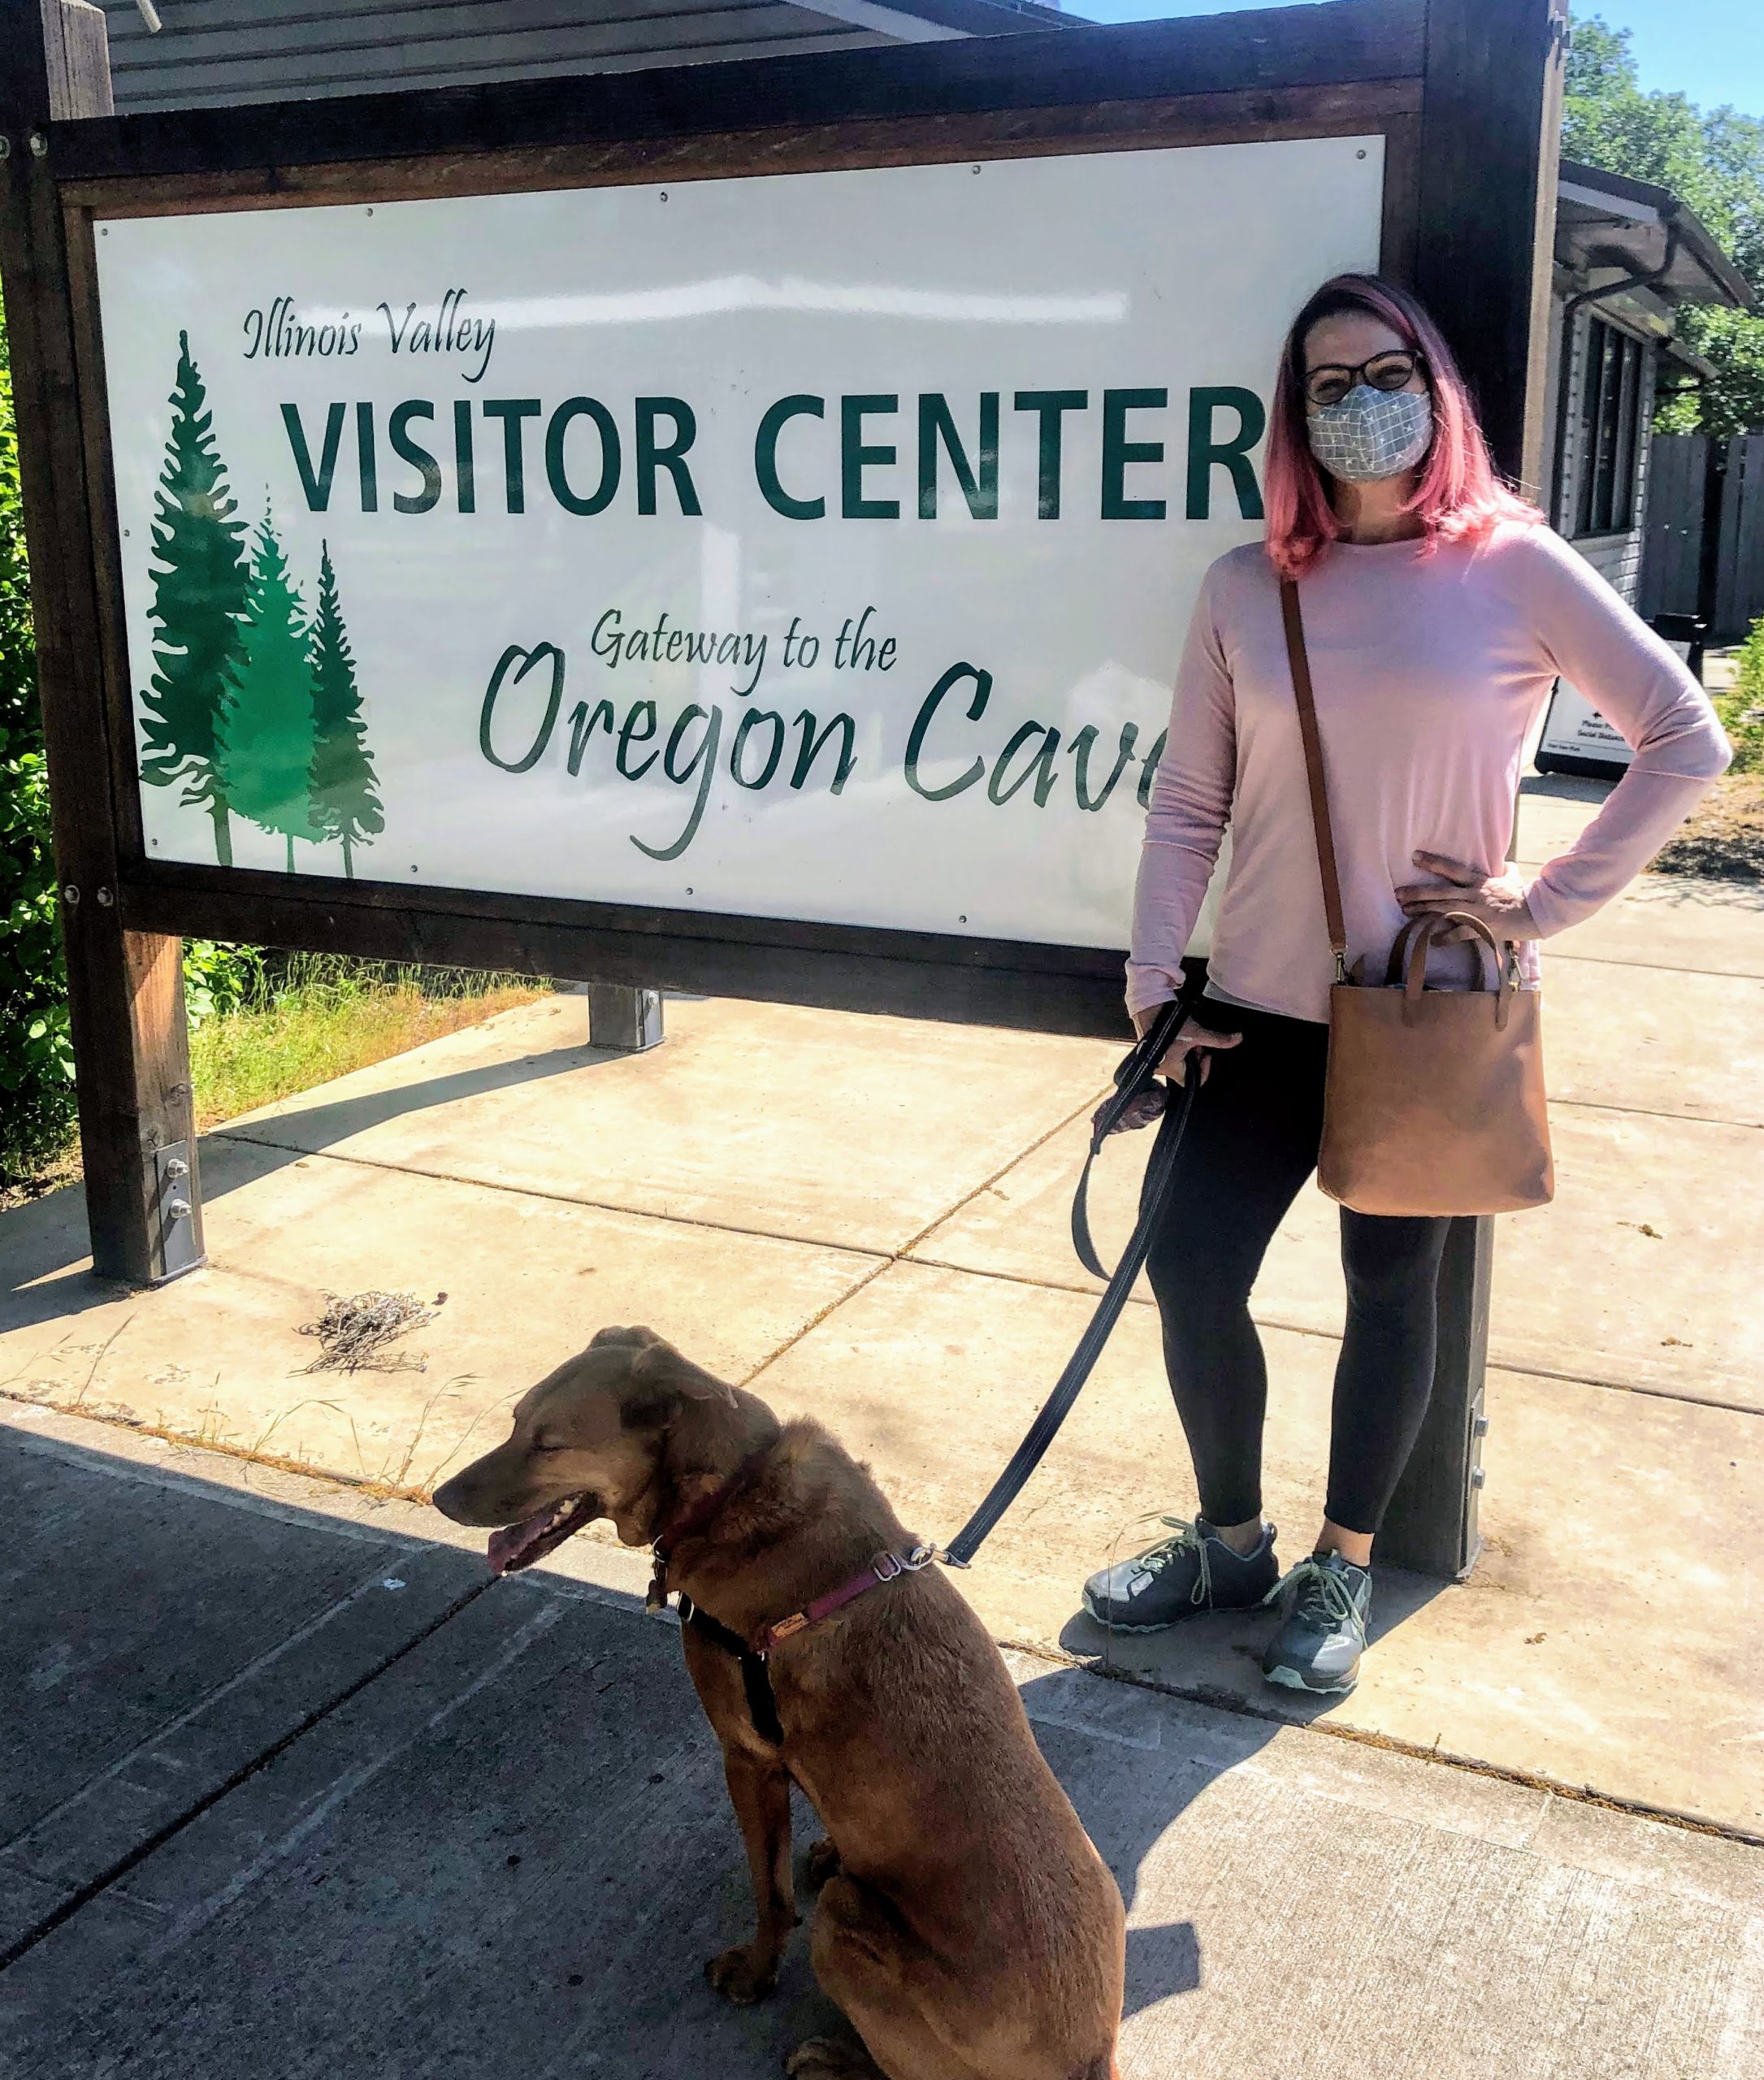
(1298,658)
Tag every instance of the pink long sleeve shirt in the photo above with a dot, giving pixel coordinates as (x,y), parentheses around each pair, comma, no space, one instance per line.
(1429,672)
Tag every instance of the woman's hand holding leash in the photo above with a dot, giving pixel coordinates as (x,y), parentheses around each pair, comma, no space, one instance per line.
(1148,1107)
(1498,899)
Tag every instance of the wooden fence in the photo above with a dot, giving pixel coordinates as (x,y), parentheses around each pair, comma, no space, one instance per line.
(1703,552)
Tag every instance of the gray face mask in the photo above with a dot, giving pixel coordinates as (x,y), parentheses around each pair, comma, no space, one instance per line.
(1371,433)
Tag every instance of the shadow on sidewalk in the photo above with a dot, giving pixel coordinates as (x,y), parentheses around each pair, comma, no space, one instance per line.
(1216,1658)
(300,1794)
(307,1130)
(1215,1661)
(44,1248)
(1564,787)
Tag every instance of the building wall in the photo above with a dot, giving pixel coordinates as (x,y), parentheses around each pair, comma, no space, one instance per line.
(1616,557)
(213,53)
(1543,490)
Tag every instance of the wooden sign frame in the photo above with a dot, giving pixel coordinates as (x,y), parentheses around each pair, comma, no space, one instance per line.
(1465,93)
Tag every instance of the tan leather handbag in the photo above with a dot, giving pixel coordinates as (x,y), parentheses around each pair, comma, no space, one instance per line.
(1434,1103)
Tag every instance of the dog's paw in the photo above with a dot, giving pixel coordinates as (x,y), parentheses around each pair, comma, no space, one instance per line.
(744,1974)
(823,1864)
(826,2058)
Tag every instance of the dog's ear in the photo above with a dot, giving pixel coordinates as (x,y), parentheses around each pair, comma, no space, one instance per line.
(663,1380)
(636,1337)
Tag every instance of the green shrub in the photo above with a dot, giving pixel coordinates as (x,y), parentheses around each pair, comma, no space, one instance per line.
(36,1058)
(1742,709)
(218,979)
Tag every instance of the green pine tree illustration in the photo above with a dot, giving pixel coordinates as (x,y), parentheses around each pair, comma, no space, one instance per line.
(199,591)
(268,728)
(343,776)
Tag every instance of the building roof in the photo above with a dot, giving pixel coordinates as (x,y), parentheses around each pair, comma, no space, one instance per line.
(1687,358)
(214,53)
(1608,220)
(208,53)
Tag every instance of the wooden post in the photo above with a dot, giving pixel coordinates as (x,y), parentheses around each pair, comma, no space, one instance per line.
(125,988)
(1485,246)
(1486,235)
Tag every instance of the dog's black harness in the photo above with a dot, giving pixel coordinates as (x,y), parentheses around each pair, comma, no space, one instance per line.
(753,1652)
(755,1678)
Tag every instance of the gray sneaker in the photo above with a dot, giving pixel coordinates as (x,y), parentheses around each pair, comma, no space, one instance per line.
(1179,1577)
(1328,1600)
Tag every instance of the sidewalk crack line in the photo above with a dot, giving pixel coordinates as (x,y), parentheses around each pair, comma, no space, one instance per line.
(132,1858)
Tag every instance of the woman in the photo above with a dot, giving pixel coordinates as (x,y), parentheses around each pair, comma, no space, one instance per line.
(1438,610)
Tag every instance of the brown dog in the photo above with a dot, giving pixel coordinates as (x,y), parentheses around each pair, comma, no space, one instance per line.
(968,1928)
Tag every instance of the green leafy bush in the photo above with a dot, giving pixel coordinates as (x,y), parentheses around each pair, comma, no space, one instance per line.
(218,979)
(36,1057)
(1742,709)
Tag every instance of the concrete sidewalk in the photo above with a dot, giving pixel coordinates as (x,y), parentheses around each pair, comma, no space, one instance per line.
(294,1789)
(864,1219)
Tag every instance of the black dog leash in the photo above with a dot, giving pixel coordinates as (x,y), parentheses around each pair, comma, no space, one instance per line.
(1134,1075)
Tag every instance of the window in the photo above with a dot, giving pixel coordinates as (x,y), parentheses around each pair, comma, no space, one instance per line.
(1610,417)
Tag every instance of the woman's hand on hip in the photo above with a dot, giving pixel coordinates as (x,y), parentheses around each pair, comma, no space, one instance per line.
(1498,901)
(1193,1040)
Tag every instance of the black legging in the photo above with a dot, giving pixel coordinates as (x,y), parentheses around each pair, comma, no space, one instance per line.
(1252,1142)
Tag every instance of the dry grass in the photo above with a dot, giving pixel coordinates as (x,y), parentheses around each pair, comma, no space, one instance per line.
(1724,840)
(353,1332)
(47,1176)
(324,1019)
(393,1482)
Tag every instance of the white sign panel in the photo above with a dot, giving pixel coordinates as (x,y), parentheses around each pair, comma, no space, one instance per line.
(814,546)
(1573,728)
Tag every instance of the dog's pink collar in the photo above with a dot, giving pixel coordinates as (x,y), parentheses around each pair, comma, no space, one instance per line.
(753,1654)
(695,1518)
(883,1567)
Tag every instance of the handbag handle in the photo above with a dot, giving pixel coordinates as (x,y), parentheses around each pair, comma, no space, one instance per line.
(1300,662)
(1397,969)
(1420,943)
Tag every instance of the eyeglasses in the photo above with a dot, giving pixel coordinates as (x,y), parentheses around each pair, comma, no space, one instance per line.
(1330,381)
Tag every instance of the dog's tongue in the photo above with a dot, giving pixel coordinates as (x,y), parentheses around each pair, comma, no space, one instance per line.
(507,1545)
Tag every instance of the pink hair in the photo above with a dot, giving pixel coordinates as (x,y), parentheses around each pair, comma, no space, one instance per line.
(1457,492)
